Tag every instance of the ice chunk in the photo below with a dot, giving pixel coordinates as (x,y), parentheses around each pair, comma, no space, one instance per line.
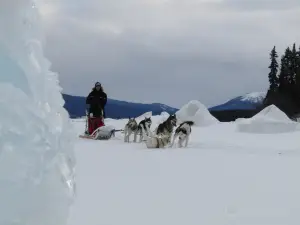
(37,183)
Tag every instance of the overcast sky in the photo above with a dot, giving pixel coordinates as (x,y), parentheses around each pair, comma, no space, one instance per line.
(168,51)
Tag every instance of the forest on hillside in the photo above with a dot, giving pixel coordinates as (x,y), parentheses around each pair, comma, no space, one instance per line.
(284,80)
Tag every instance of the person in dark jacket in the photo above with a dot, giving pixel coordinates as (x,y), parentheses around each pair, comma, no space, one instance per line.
(97,100)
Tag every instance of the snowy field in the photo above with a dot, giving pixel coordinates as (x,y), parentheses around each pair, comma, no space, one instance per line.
(226,176)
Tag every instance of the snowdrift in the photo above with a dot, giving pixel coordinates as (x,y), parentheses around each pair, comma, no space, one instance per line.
(36,155)
(143,116)
(156,120)
(268,121)
(197,112)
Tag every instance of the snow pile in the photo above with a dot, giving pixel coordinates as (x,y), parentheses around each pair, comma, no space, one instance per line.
(197,112)
(160,118)
(269,120)
(143,116)
(164,115)
(36,155)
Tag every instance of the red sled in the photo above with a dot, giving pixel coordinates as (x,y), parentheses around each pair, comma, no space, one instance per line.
(96,129)
(94,123)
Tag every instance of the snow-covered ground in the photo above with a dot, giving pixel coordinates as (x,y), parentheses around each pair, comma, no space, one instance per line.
(224,177)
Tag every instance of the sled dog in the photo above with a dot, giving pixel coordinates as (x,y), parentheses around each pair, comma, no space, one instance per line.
(156,142)
(143,128)
(183,132)
(130,128)
(166,128)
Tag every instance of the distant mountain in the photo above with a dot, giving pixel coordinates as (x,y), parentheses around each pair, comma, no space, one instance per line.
(245,102)
(115,109)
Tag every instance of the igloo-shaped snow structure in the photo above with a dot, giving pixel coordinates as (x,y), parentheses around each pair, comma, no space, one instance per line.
(195,111)
(143,116)
(164,114)
(272,113)
(268,121)
(158,119)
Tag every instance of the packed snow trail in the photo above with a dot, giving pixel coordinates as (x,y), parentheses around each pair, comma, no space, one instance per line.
(223,178)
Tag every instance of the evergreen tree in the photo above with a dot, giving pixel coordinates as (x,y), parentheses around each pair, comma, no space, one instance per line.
(287,98)
(273,79)
(298,68)
(293,64)
(297,74)
(285,73)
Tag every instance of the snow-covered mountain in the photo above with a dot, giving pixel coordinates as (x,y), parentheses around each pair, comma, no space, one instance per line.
(254,97)
(245,102)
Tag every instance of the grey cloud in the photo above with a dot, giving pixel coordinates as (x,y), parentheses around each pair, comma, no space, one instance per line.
(256,5)
(164,51)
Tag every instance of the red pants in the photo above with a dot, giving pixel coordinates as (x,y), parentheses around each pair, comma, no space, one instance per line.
(95,123)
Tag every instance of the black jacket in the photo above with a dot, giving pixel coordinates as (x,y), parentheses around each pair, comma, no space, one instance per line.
(97,101)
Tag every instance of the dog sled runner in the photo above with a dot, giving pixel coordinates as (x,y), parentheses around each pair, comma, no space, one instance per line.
(101,133)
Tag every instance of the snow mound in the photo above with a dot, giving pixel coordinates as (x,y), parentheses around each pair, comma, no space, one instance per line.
(158,119)
(163,116)
(143,116)
(272,113)
(196,112)
(268,121)
(37,184)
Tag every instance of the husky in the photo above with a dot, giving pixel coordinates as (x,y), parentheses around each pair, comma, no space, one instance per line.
(166,128)
(130,128)
(183,131)
(156,142)
(143,128)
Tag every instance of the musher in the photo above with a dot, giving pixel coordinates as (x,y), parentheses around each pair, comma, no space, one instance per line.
(96,100)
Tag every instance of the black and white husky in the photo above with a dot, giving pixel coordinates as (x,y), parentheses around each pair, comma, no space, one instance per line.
(143,128)
(130,128)
(183,132)
(157,142)
(137,129)
(166,128)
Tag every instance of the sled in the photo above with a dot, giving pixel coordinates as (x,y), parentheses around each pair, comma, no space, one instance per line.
(93,123)
(101,133)
(95,129)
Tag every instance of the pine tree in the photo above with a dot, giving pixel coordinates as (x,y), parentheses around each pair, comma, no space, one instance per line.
(293,64)
(287,98)
(297,78)
(297,74)
(285,73)
(273,79)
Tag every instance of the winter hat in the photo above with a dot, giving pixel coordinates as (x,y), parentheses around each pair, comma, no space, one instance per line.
(98,84)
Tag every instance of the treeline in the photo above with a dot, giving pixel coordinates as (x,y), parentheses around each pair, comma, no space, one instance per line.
(284,79)
(232,115)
